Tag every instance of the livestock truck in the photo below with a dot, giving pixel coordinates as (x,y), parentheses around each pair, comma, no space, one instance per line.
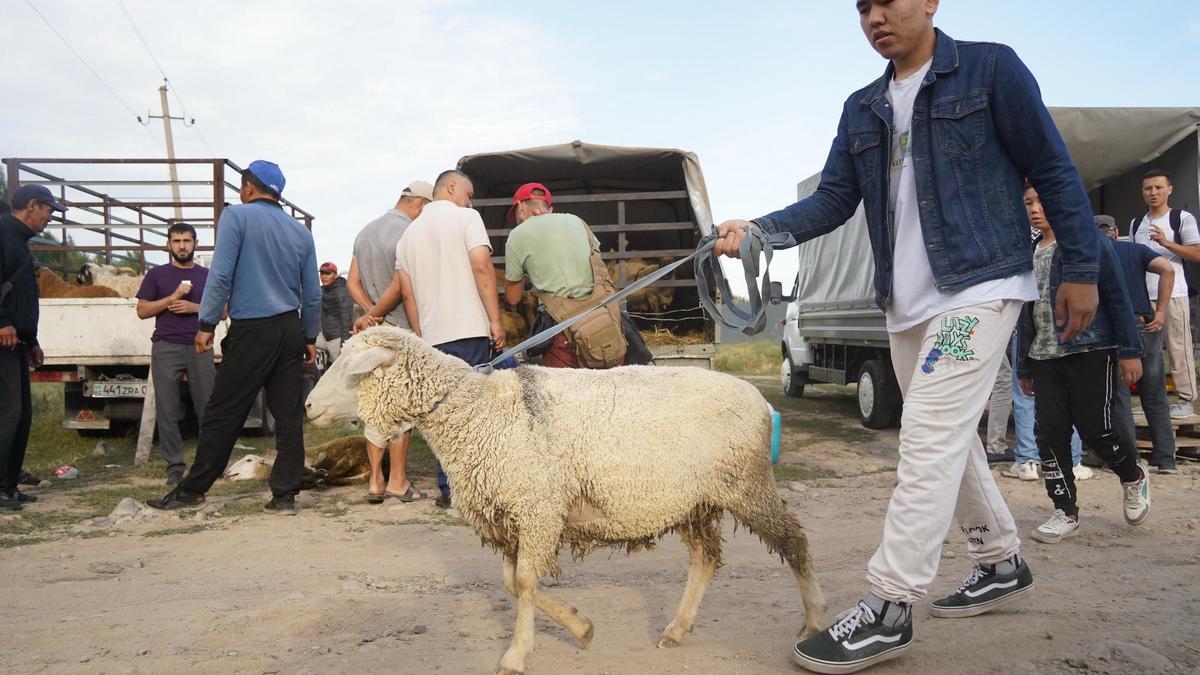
(119,212)
(834,332)
(643,204)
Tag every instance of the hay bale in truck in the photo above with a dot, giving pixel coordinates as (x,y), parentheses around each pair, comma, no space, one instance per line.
(643,204)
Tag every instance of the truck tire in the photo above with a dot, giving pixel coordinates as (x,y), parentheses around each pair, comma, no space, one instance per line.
(878,399)
(792,386)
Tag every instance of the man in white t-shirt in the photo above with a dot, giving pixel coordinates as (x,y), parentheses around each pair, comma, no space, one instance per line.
(937,150)
(445,277)
(1157,230)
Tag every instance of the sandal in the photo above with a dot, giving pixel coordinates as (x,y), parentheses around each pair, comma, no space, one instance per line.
(375,499)
(410,495)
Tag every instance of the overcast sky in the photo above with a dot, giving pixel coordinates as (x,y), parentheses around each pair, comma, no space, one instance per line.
(355,99)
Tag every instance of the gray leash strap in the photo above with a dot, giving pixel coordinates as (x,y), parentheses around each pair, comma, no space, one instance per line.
(749,321)
(752,319)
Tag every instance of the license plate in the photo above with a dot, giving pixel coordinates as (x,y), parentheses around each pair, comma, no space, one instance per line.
(119,389)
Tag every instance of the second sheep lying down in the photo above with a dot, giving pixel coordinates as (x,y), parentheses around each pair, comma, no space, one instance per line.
(538,458)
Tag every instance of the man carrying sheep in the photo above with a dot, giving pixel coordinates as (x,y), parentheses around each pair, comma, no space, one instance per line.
(171,295)
(31,209)
(265,268)
(445,277)
(372,270)
(556,251)
(937,149)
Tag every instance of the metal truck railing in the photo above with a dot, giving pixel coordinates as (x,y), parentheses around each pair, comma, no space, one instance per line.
(120,209)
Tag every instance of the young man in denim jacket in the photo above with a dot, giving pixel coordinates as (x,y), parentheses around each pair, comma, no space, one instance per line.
(937,150)
(1076,381)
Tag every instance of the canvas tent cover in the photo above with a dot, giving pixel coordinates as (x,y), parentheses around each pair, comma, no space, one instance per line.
(585,168)
(837,271)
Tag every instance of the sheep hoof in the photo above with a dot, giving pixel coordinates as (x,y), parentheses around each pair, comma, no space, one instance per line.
(666,642)
(509,671)
(809,631)
(585,640)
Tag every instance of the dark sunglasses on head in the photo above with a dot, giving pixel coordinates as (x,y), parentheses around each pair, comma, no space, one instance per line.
(326,271)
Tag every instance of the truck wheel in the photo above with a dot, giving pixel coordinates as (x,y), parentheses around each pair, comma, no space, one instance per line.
(876,401)
(792,386)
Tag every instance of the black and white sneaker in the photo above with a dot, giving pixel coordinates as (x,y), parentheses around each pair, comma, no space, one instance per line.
(856,640)
(984,590)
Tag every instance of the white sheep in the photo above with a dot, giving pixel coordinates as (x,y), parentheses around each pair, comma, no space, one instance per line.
(539,457)
(123,280)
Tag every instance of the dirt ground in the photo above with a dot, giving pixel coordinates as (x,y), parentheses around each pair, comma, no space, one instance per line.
(404,588)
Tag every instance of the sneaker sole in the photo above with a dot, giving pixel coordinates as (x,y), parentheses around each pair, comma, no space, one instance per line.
(831,668)
(1139,521)
(1045,539)
(975,610)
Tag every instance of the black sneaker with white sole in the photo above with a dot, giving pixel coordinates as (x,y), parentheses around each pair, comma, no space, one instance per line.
(984,590)
(857,640)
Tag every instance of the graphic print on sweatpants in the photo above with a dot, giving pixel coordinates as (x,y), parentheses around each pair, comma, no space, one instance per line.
(953,341)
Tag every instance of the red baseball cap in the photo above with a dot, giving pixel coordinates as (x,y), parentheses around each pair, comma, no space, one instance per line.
(528,191)
(329,267)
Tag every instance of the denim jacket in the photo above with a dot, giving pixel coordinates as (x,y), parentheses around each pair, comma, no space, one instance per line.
(1114,325)
(979,128)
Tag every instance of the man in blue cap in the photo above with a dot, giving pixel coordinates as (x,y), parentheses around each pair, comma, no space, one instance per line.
(31,209)
(265,268)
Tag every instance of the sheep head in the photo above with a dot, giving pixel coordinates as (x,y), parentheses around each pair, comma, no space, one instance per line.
(385,376)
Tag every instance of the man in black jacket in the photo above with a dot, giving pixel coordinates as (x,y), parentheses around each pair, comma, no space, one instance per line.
(31,207)
(337,311)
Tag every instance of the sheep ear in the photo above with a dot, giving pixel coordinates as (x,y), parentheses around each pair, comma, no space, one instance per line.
(358,363)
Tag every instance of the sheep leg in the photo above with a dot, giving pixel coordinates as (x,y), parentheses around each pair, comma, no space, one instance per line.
(700,573)
(560,612)
(767,517)
(524,585)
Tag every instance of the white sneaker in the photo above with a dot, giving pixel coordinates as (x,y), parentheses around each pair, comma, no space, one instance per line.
(1059,527)
(1182,409)
(1082,472)
(1137,498)
(1024,470)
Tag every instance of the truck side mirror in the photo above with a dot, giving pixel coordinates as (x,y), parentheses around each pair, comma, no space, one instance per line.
(776,293)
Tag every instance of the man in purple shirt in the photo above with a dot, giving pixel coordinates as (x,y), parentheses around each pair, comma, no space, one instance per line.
(171,294)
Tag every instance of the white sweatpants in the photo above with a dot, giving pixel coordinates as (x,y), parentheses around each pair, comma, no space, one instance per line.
(945,367)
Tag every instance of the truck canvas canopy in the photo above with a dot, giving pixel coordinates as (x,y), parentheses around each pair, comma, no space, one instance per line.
(1111,148)
(647,207)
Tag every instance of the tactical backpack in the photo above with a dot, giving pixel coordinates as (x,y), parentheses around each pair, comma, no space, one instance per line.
(598,339)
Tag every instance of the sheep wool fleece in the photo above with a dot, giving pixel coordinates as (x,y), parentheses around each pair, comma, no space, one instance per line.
(945,367)
(590,458)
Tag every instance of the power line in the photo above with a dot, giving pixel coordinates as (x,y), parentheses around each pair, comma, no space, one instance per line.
(82,60)
(138,32)
(162,71)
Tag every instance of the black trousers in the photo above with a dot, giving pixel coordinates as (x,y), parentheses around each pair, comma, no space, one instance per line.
(256,353)
(1078,390)
(16,414)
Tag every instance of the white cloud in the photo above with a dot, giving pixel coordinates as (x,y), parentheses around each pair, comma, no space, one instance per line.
(353,101)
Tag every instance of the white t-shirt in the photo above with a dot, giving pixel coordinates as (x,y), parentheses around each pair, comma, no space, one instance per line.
(915,298)
(1187,232)
(433,252)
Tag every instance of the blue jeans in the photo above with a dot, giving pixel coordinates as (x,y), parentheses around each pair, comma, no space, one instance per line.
(1152,389)
(474,351)
(1023,415)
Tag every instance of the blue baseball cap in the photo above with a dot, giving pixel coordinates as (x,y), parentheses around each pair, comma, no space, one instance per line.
(270,175)
(38,193)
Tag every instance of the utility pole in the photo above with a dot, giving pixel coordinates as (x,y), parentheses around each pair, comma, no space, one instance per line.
(166,118)
(141,453)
